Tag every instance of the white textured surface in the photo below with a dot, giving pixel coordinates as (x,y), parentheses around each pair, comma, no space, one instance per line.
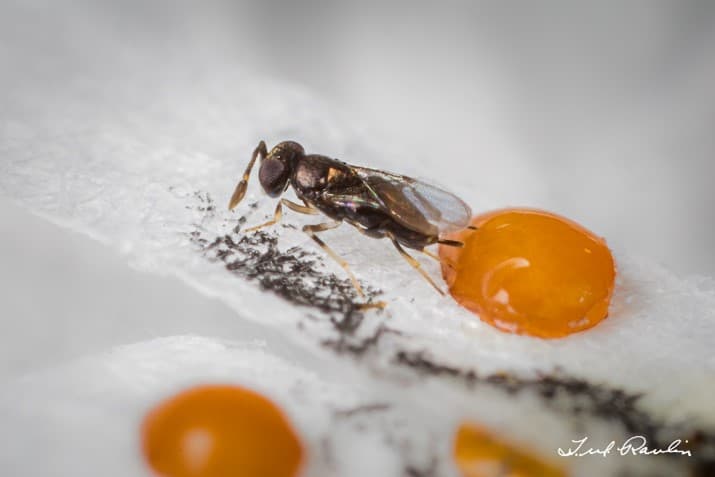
(116,149)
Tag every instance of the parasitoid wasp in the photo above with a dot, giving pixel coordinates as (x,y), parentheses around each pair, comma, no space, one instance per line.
(379,204)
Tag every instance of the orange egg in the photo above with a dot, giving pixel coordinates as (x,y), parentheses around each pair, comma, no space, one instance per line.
(212,431)
(479,453)
(531,272)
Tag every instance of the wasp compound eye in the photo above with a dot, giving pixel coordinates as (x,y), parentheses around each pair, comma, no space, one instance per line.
(273,176)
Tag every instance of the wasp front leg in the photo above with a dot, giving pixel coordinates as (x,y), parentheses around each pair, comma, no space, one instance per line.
(278,214)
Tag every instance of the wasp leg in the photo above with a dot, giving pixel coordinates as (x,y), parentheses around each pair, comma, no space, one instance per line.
(279,213)
(302,209)
(240,190)
(312,230)
(415,264)
(276,218)
(437,257)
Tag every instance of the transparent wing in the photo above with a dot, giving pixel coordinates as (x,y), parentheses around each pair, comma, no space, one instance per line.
(415,204)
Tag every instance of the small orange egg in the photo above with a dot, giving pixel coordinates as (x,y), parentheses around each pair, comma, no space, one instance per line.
(212,431)
(479,453)
(531,272)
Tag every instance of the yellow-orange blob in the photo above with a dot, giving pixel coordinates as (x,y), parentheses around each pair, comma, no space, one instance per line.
(531,272)
(479,453)
(212,431)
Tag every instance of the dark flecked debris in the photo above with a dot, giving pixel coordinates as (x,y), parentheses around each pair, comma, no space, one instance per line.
(293,275)
(345,344)
(427,471)
(578,396)
(296,276)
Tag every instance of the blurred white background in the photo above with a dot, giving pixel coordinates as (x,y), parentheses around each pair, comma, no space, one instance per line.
(611,103)
(610,106)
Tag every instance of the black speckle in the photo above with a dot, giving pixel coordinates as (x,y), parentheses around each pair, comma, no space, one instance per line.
(346,344)
(426,471)
(577,397)
(294,275)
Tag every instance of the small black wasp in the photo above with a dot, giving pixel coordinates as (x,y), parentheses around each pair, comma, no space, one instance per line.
(379,204)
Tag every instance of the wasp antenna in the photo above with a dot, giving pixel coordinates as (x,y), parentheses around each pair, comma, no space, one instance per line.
(238,194)
(240,190)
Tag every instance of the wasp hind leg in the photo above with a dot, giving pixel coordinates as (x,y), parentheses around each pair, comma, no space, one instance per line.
(437,257)
(415,264)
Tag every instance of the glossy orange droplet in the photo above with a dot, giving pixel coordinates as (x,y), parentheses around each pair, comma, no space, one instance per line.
(480,453)
(531,272)
(213,431)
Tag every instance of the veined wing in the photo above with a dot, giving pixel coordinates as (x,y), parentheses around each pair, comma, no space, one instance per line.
(415,204)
